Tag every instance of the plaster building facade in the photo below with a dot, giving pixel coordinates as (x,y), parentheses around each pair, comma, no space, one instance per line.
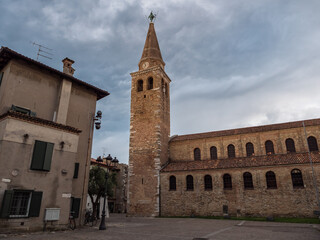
(46,127)
(270,170)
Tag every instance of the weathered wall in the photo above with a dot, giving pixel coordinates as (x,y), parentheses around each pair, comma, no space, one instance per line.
(260,201)
(149,137)
(183,150)
(16,154)
(30,88)
(38,90)
(81,112)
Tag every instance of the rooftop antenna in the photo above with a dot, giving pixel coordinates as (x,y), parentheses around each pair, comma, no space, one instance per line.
(41,52)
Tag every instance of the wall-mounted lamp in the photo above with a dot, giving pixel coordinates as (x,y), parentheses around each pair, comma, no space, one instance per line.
(25,136)
(97,120)
(62,145)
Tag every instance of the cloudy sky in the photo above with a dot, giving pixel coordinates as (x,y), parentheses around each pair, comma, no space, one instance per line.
(234,63)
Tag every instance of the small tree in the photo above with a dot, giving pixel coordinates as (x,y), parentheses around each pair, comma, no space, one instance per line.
(97,184)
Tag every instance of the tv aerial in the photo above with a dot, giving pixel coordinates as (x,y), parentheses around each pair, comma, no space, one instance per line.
(43,51)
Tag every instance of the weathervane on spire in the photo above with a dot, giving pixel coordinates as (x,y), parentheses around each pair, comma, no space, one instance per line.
(152,16)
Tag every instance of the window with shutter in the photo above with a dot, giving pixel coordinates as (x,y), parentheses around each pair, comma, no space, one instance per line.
(76,170)
(1,76)
(35,204)
(75,206)
(20,204)
(6,204)
(42,155)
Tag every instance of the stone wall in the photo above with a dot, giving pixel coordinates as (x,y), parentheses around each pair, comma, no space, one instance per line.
(149,137)
(260,201)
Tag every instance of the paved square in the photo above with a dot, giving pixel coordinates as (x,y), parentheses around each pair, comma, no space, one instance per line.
(120,227)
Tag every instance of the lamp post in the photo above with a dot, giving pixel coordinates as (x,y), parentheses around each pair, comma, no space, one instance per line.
(113,163)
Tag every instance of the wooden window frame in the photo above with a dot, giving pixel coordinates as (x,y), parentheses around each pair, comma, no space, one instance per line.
(42,156)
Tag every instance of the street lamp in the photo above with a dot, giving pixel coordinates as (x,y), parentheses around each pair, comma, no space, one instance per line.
(113,164)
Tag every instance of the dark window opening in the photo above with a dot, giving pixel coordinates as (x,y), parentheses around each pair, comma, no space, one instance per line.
(166,89)
(247,180)
(197,154)
(207,182)
(296,176)
(312,143)
(42,155)
(271,180)
(231,151)
(172,182)
(227,182)
(150,83)
(290,145)
(1,76)
(76,170)
(75,206)
(140,85)
(23,110)
(269,147)
(20,204)
(213,153)
(189,183)
(249,149)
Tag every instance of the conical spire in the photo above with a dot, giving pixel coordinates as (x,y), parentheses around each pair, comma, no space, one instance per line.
(151,55)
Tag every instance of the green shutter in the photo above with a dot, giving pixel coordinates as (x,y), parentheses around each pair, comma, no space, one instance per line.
(6,203)
(76,170)
(75,207)
(35,204)
(39,152)
(48,157)
(1,75)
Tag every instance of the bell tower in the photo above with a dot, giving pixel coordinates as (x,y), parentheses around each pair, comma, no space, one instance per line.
(149,129)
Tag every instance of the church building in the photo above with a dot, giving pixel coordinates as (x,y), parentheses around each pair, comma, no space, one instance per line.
(269,171)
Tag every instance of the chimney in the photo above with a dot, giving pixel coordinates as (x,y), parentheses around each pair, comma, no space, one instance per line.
(67,66)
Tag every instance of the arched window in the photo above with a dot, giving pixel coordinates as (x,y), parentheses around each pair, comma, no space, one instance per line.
(227,182)
(296,176)
(207,182)
(290,145)
(312,143)
(140,85)
(197,154)
(189,183)
(173,185)
(250,149)
(213,153)
(231,151)
(150,83)
(269,147)
(271,180)
(247,180)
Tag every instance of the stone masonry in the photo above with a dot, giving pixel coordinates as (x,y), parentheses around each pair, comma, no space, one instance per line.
(149,129)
